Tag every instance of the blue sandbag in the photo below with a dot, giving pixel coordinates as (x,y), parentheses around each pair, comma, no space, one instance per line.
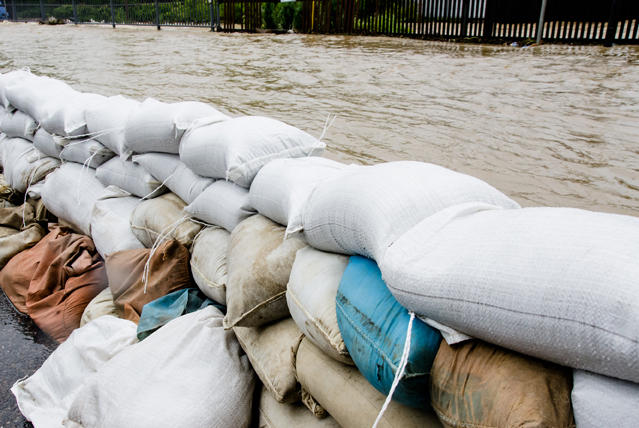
(374,326)
(160,311)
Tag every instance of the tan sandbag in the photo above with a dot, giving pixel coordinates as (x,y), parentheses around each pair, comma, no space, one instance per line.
(259,263)
(478,385)
(159,216)
(15,243)
(168,272)
(17,217)
(208,262)
(271,349)
(7,231)
(101,305)
(288,415)
(70,274)
(344,392)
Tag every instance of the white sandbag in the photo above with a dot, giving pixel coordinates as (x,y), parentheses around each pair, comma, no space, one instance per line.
(86,152)
(100,306)
(18,124)
(554,283)
(170,170)
(154,126)
(286,415)
(348,397)
(8,78)
(45,397)
(131,177)
(69,119)
(39,96)
(223,204)
(110,228)
(281,189)
(106,119)
(24,165)
(70,193)
(310,295)
(364,210)
(236,149)
(208,262)
(600,401)
(44,142)
(162,217)
(189,373)
(271,349)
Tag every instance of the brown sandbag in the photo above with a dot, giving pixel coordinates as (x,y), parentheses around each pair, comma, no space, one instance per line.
(20,231)
(168,272)
(478,385)
(70,274)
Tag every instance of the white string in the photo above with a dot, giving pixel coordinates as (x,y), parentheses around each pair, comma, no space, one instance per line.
(327,126)
(85,164)
(400,369)
(159,240)
(160,186)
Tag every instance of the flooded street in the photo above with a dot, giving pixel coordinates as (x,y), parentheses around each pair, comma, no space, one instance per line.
(548,126)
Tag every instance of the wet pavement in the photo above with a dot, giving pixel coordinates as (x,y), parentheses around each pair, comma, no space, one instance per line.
(23,349)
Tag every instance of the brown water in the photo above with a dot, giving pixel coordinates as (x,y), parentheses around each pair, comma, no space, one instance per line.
(548,126)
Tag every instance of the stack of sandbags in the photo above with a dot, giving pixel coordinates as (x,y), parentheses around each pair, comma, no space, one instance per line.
(55,280)
(23,164)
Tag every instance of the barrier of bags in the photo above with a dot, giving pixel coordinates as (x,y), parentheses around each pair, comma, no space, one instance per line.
(130,177)
(259,263)
(236,149)
(106,120)
(18,124)
(88,152)
(310,295)
(24,165)
(69,119)
(222,204)
(271,349)
(208,262)
(553,283)
(201,378)
(281,189)
(366,209)
(110,227)
(44,142)
(170,170)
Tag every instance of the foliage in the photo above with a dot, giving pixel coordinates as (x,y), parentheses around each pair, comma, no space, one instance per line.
(282,16)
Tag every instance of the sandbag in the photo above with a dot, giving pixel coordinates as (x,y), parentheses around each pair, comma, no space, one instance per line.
(554,283)
(70,193)
(271,349)
(87,152)
(24,164)
(190,373)
(23,232)
(69,119)
(7,194)
(348,397)
(101,305)
(44,142)
(161,311)
(130,177)
(282,187)
(70,274)
(6,79)
(286,415)
(39,96)
(363,211)
(310,296)
(222,204)
(475,384)
(374,328)
(170,170)
(259,263)
(168,271)
(154,126)
(600,401)
(236,149)
(106,119)
(45,397)
(110,227)
(18,124)
(208,262)
(162,216)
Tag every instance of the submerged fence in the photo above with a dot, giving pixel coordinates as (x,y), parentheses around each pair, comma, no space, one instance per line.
(577,21)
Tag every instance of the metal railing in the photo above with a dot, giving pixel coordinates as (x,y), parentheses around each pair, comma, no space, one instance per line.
(564,21)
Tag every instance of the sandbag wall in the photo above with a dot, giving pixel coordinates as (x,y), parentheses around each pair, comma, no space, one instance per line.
(337,284)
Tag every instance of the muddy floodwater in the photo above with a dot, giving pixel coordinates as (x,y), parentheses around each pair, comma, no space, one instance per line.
(548,126)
